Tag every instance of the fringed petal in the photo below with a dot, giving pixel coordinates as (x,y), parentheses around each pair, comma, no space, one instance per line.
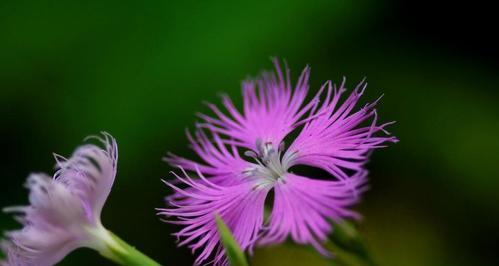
(241,206)
(304,207)
(222,162)
(52,224)
(335,138)
(90,172)
(272,109)
(12,256)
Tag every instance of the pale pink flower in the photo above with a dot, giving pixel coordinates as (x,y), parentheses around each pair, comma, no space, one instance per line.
(64,211)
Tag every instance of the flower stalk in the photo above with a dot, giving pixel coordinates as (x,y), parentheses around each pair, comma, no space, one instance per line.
(120,252)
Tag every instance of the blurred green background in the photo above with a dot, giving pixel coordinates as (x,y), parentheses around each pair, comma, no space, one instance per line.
(141,70)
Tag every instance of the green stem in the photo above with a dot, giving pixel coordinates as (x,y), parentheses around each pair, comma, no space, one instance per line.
(122,253)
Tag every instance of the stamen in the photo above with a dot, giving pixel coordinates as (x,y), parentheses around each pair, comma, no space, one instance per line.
(270,163)
(282,146)
(251,154)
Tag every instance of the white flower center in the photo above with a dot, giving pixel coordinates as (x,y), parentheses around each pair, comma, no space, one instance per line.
(271,164)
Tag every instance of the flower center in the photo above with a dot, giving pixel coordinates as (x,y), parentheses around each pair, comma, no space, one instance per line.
(271,164)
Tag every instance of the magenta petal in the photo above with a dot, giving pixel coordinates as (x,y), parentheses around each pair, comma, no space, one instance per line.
(221,163)
(335,138)
(272,109)
(240,206)
(304,207)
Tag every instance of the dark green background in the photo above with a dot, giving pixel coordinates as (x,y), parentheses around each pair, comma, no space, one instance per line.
(141,69)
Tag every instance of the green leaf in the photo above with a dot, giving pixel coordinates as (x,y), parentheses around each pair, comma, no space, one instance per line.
(232,249)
